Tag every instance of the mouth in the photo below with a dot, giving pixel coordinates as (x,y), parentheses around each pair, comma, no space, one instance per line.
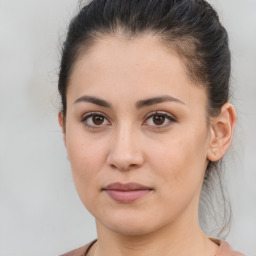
(126,193)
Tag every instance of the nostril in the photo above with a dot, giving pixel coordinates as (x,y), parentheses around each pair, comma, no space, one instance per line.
(124,167)
(124,156)
(113,166)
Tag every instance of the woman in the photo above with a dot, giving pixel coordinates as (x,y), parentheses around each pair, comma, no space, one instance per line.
(145,118)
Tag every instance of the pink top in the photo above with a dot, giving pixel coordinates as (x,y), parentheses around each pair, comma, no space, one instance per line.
(224,249)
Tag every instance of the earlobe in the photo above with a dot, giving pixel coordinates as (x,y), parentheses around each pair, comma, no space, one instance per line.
(62,125)
(221,132)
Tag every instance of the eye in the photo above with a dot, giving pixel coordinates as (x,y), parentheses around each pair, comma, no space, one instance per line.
(95,120)
(159,120)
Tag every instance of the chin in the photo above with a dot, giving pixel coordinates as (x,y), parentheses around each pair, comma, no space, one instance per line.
(126,229)
(131,224)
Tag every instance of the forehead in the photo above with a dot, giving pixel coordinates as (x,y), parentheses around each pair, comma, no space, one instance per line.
(140,53)
(116,65)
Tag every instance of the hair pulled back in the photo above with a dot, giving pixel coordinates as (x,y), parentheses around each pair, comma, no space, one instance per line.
(190,27)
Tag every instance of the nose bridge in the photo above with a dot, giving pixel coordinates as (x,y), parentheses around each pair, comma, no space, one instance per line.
(124,135)
(125,151)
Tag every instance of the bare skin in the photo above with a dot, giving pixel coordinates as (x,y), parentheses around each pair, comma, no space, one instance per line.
(114,134)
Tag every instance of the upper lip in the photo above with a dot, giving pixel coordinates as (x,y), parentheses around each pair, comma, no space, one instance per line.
(126,186)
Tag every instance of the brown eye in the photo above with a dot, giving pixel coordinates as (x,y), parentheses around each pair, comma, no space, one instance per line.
(159,119)
(98,120)
(95,120)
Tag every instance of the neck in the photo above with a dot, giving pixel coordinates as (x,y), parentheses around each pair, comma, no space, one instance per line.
(166,241)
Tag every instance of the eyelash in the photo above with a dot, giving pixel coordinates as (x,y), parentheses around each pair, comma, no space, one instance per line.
(93,114)
(170,119)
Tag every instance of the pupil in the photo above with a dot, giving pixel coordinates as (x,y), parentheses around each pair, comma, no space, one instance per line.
(98,120)
(158,120)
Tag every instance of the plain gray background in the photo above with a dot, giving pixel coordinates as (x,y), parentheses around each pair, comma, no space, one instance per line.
(40,212)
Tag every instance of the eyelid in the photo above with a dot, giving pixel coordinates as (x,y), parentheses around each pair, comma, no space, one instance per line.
(91,114)
(170,117)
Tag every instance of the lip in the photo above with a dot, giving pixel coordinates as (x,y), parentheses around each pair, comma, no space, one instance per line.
(126,192)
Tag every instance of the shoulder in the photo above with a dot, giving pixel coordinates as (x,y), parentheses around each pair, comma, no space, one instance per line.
(225,249)
(81,251)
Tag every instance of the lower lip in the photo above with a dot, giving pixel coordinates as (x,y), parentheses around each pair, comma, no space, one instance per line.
(128,196)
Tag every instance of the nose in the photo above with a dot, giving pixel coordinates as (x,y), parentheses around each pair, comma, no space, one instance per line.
(125,150)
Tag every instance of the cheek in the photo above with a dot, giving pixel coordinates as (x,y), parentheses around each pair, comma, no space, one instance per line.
(179,162)
(179,168)
(86,161)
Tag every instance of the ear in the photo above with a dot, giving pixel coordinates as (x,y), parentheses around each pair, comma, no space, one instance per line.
(62,125)
(221,132)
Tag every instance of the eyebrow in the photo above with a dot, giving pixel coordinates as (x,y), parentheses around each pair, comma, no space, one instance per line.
(94,100)
(156,100)
(139,104)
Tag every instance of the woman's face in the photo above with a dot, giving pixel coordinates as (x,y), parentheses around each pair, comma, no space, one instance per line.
(136,135)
